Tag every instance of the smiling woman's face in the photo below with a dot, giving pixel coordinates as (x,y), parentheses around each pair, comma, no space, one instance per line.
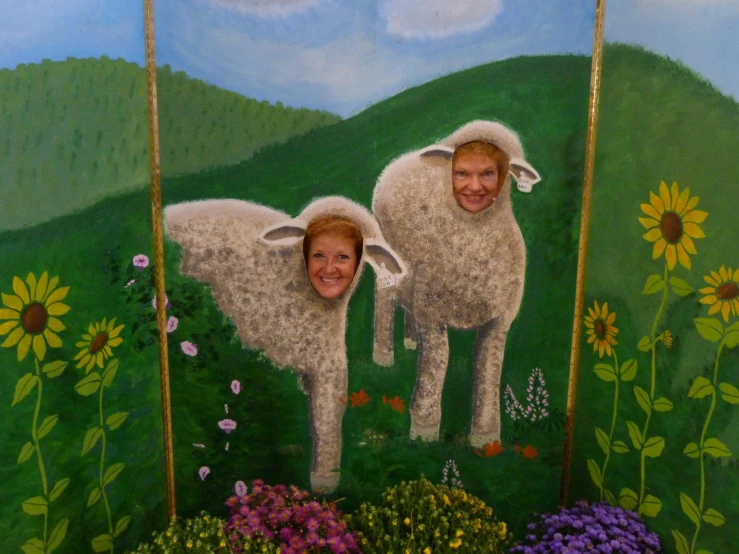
(332,263)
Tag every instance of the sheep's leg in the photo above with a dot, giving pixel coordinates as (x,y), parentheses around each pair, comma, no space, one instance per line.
(383,353)
(488,364)
(433,357)
(410,340)
(326,413)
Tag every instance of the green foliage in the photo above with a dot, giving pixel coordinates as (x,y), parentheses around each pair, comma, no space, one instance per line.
(197,535)
(418,516)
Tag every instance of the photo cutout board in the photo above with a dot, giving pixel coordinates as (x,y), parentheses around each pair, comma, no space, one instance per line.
(656,417)
(81,461)
(448,354)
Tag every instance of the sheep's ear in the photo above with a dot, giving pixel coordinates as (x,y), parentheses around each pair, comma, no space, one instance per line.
(283,233)
(437,155)
(526,176)
(388,265)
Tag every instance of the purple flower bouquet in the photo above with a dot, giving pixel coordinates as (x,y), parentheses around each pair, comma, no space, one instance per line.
(589,529)
(288,518)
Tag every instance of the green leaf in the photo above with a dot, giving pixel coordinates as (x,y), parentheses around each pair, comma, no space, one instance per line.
(23,387)
(680,287)
(642,397)
(94,497)
(681,543)
(33,546)
(57,535)
(645,344)
(634,434)
(602,439)
(605,372)
(628,370)
(88,385)
(654,284)
(122,525)
(26,452)
(662,404)
(627,499)
(731,338)
(653,446)
(709,328)
(716,448)
(91,438)
(703,551)
(620,447)
(651,506)
(58,489)
(101,543)
(701,388)
(112,472)
(47,425)
(611,498)
(116,420)
(692,450)
(729,393)
(109,373)
(36,506)
(595,473)
(54,369)
(714,517)
(690,508)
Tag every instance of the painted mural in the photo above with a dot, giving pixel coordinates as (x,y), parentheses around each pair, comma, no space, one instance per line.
(656,423)
(81,456)
(321,102)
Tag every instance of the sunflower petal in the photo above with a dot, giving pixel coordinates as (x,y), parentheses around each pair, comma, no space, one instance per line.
(664,195)
(608,349)
(683,256)
(591,338)
(6,327)
(20,289)
(682,200)
(648,222)
(56,325)
(111,324)
(115,342)
(651,212)
(696,216)
(9,314)
(710,280)
(82,344)
(57,309)
(108,351)
(722,272)
(674,193)
(715,308)
(692,203)
(736,275)
(23,347)
(99,358)
(653,235)
(13,338)
(91,330)
(53,282)
(42,287)
(657,203)
(12,301)
(735,305)
(693,231)
(671,256)
(90,364)
(87,337)
(58,295)
(31,280)
(659,247)
(688,244)
(115,332)
(39,347)
(52,339)
(707,290)
(601,348)
(79,355)
(708,299)
(611,318)
(588,324)
(725,309)
(604,310)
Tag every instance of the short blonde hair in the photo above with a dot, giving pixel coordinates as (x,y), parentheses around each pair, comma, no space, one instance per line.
(488,149)
(333,225)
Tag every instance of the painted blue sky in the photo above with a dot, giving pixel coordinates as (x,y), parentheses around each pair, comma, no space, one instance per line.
(343,55)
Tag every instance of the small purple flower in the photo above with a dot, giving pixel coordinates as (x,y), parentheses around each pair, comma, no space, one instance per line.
(140,261)
(172,323)
(189,348)
(204,471)
(240,488)
(227,425)
(131,282)
(235,386)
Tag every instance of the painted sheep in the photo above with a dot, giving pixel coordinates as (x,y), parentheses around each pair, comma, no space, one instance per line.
(465,271)
(252,258)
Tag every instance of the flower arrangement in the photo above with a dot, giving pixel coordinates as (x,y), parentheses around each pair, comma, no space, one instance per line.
(418,516)
(589,528)
(289,518)
(199,535)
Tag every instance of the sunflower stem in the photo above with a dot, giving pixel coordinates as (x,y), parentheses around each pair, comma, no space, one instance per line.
(613,428)
(39,457)
(102,468)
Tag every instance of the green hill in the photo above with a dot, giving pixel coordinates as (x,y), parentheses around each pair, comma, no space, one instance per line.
(75,132)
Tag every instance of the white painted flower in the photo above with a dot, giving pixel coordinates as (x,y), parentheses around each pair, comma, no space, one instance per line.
(131,282)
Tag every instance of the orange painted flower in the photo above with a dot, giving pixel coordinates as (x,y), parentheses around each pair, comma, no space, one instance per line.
(397,403)
(601,331)
(723,294)
(359,399)
(673,224)
(518,449)
(530,452)
(491,449)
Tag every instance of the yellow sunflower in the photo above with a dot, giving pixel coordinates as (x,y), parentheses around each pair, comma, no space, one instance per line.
(673,224)
(723,294)
(98,343)
(601,332)
(30,315)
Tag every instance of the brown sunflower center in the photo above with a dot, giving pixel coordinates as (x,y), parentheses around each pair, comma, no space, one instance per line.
(727,291)
(600,329)
(98,342)
(34,318)
(672,227)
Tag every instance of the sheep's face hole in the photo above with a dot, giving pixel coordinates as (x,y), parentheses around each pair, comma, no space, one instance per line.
(479,170)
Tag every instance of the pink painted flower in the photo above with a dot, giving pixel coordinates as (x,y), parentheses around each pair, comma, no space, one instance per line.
(140,261)
(131,282)
(172,323)
(240,488)
(235,386)
(203,472)
(227,425)
(189,348)
(166,301)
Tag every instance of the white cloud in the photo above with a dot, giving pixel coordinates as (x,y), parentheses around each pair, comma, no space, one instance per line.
(268,8)
(433,19)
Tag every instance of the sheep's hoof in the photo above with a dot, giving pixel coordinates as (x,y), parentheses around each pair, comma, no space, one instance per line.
(383,358)
(427,433)
(324,482)
(410,344)
(479,439)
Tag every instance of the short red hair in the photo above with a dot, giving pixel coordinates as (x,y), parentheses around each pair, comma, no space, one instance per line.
(333,225)
(487,149)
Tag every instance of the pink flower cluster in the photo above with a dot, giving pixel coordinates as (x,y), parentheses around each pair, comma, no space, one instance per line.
(290,518)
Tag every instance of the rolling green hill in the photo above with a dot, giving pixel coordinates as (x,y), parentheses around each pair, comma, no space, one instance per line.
(75,132)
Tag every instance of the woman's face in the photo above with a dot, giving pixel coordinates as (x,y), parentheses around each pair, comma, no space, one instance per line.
(331,264)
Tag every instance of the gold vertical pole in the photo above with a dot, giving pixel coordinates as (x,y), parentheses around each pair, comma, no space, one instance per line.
(595,78)
(156,221)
